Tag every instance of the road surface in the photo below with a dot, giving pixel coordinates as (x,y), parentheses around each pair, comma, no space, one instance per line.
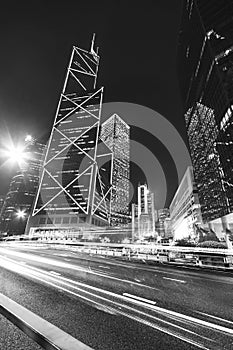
(112,304)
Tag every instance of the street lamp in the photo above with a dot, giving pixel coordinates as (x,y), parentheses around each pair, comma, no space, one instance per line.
(20,214)
(16,154)
(28,138)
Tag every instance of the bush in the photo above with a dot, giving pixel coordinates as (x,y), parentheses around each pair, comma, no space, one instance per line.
(212,244)
(184,243)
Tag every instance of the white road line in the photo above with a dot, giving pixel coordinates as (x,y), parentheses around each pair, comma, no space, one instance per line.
(23,262)
(104,267)
(139,298)
(174,279)
(66,259)
(55,273)
(217,318)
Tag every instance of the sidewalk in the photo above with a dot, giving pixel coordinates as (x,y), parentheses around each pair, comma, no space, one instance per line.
(45,333)
(12,338)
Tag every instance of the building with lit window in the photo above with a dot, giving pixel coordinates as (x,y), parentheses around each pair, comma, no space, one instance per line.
(2,199)
(162,224)
(22,190)
(205,70)
(185,211)
(75,184)
(143,214)
(116,134)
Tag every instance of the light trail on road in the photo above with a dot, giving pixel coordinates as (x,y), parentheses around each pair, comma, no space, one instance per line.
(203,334)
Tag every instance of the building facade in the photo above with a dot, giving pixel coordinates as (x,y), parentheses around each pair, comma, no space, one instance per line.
(116,134)
(205,69)
(23,188)
(143,214)
(162,224)
(185,210)
(75,184)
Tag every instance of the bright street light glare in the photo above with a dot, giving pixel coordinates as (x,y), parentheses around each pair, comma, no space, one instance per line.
(28,138)
(16,154)
(20,214)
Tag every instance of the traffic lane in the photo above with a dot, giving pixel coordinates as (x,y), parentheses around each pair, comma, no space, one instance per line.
(200,296)
(146,275)
(208,335)
(70,253)
(94,327)
(190,298)
(85,258)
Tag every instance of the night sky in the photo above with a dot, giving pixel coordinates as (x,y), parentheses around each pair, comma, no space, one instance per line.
(137,44)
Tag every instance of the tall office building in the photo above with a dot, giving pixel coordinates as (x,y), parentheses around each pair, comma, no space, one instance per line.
(22,189)
(2,199)
(163,215)
(75,185)
(205,68)
(145,212)
(116,134)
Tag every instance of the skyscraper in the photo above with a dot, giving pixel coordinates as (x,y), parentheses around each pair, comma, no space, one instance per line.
(75,184)
(115,133)
(22,189)
(163,215)
(145,211)
(205,69)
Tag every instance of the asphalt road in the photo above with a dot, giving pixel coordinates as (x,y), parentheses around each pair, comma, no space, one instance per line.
(112,304)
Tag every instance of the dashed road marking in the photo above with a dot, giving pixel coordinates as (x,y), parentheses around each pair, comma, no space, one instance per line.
(55,273)
(174,279)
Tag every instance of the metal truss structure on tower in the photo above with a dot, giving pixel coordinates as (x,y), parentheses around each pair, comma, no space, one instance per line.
(77,171)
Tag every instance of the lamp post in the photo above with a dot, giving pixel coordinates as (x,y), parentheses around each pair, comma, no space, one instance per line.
(21,214)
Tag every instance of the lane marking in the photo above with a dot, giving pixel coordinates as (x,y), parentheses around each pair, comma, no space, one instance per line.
(104,267)
(55,273)
(174,279)
(140,298)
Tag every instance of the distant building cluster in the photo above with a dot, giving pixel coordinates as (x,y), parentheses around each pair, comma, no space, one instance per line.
(80,180)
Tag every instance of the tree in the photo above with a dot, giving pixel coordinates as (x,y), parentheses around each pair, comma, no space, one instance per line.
(212,244)
(184,243)
(211,236)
